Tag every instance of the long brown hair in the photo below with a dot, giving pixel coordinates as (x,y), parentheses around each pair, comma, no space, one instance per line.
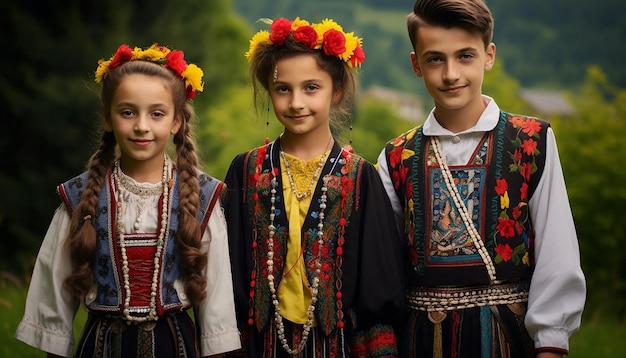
(81,241)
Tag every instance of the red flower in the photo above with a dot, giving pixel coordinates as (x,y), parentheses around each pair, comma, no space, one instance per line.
(506,227)
(516,212)
(529,146)
(191,93)
(334,43)
(123,54)
(281,28)
(523,191)
(501,186)
(176,62)
(517,155)
(398,176)
(261,155)
(358,56)
(526,169)
(504,251)
(306,35)
(395,156)
(517,121)
(530,127)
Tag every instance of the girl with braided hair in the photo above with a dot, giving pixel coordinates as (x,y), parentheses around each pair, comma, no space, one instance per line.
(137,240)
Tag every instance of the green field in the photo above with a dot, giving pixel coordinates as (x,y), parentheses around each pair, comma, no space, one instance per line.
(597,338)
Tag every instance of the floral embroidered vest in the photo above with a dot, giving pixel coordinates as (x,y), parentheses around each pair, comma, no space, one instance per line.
(496,186)
(106,267)
(343,169)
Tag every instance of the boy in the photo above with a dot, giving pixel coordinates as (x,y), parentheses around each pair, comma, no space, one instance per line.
(480,195)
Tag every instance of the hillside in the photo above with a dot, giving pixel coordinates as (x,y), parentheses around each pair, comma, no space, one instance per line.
(541,43)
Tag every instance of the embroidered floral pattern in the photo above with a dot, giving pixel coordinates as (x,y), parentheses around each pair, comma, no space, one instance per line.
(340,201)
(513,215)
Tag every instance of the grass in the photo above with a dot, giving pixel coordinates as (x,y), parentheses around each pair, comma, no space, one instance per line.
(600,338)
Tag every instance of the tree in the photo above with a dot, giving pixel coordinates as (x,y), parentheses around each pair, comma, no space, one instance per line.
(592,153)
(50,100)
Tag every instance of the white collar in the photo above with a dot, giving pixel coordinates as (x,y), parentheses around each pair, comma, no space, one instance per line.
(487,121)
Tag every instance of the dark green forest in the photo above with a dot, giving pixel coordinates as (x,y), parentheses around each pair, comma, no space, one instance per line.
(50,111)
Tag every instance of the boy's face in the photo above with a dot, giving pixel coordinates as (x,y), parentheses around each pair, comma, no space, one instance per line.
(452,63)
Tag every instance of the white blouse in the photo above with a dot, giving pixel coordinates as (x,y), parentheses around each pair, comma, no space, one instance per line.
(557,289)
(49,313)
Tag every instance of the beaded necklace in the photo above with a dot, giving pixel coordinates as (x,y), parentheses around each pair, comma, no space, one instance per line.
(458,201)
(306,328)
(309,190)
(121,182)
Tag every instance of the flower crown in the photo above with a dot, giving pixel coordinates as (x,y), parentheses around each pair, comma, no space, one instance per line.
(326,35)
(172,59)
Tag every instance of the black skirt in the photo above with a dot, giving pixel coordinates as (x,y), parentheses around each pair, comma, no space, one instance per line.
(173,335)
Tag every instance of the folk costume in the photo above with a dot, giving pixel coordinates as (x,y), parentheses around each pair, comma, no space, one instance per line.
(494,268)
(136,257)
(321,266)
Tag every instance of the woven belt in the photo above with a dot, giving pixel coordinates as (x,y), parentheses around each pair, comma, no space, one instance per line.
(447,299)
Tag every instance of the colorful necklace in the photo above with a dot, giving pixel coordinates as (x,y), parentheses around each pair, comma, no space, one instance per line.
(124,183)
(465,215)
(306,328)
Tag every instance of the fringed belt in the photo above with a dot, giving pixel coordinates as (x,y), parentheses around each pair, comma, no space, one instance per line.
(447,299)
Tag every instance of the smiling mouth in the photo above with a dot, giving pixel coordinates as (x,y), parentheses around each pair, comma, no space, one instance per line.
(297,118)
(453,89)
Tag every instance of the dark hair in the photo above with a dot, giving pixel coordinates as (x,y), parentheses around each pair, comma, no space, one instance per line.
(265,58)
(81,241)
(472,15)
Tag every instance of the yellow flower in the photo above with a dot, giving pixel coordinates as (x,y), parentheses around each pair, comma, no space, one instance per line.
(504,200)
(526,260)
(407,153)
(351,43)
(297,22)
(261,38)
(152,54)
(103,67)
(193,77)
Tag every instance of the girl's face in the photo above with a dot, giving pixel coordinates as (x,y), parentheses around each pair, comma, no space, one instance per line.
(302,95)
(142,119)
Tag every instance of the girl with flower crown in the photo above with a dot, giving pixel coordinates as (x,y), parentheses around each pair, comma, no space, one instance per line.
(314,249)
(139,239)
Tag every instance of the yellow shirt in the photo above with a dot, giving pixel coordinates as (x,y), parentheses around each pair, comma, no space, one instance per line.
(294,293)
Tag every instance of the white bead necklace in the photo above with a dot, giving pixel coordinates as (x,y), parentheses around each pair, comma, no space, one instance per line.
(118,178)
(465,215)
(306,328)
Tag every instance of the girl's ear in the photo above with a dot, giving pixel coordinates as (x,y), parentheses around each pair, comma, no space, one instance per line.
(106,124)
(178,122)
(338,93)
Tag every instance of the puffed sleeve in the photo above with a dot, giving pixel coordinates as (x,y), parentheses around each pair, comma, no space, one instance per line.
(49,312)
(216,313)
(557,291)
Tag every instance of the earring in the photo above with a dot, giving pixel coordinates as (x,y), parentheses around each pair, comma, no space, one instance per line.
(267,124)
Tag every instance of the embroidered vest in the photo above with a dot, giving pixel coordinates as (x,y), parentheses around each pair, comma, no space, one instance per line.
(106,266)
(495,186)
(343,169)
